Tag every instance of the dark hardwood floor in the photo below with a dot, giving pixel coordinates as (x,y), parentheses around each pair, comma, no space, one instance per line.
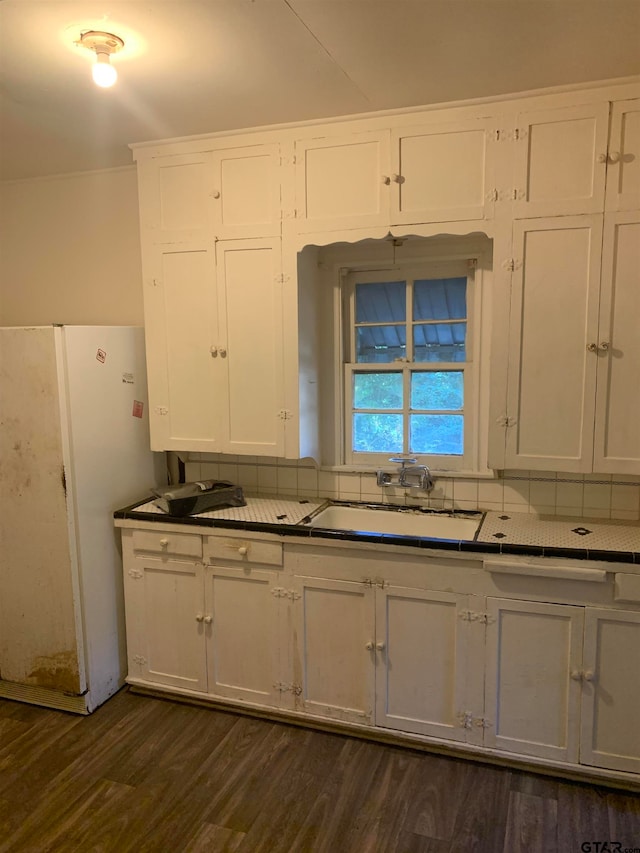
(145,774)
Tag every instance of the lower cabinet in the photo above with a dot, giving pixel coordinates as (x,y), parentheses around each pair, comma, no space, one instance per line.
(384,655)
(547,679)
(203,628)
(563,683)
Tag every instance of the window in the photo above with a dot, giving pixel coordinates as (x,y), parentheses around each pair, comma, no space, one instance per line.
(409,366)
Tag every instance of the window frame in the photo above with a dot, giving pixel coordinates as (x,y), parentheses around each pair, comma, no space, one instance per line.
(455,266)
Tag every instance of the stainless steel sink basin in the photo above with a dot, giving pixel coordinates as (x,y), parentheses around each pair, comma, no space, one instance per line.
(412,523)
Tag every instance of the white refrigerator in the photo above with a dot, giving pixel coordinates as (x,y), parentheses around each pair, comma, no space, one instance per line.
(74,447)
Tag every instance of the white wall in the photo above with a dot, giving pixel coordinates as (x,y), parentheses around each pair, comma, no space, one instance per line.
(70,250)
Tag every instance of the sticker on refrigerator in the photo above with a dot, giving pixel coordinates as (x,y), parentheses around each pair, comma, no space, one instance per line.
(101,356)
(127,378)
(137,409)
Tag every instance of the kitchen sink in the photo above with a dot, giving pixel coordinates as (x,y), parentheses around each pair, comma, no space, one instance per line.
(430,525)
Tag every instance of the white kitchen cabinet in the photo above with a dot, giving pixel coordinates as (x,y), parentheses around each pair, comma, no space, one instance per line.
(165,622)
(334,648)
(532,702)
(392,656)
(216,194)
(563,683)
(430,173)
(342,181)
(610,678)
(617,435)
(209,627)
(214,347)
(573,345)
(442,172)
(424,662)
(623,161)
(560,161)
(554,320)
(242,635)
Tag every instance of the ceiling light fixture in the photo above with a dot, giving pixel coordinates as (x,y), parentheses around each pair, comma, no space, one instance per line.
(103,44)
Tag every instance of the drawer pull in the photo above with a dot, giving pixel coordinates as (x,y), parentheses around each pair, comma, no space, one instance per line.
(569,573)
(199,617)
(164,543)
(369,646)
(380,647)
(208,619)
(243,550)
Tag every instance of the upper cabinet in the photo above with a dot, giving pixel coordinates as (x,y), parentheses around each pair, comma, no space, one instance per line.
(226,194)
(442,173)
(560,161)
(436,172)
(213,319)
(342,181)
(623,161)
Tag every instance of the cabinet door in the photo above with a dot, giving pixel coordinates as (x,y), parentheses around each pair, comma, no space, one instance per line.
(334,650)
(623,169)
(246,192)
(532,702)
(249,354)
(617,440)
(560,161)
(611,690)
(442,173)
(165,623)
(242,634)
(176,201)
(181,327)
(342,181)
(554,318)
(423,664)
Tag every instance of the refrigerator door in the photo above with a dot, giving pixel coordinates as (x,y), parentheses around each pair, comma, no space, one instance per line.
(111,466)
(40,625)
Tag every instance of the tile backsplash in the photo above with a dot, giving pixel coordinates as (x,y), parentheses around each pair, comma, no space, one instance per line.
(541,492)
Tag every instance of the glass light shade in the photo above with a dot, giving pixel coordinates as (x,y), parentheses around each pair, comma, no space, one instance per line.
(104,74)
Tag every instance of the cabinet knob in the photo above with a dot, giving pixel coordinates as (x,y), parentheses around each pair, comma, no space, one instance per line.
(380,647)
(208,619)
(588,675)
(601,158)
(398,179)
(576,674)
(614,156)
(369,646)
(592,347)
(386,180)
(199,617)
(215,194)
(223,352)
(164,543)
(213,351)
(604,346)
(243,550)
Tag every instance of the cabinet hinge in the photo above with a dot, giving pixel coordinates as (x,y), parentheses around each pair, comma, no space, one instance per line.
(285,414)
(281,687)
(281,592)
(492,195)
(519,133)
(511,264)
(161,410)
(136,574)
(517,194)
(506,421)
(465,719)
(139,659)
(482,722)
(475,616)
(281,278)
(155,282)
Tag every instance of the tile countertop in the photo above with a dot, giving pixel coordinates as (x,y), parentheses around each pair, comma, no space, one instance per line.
(499,533)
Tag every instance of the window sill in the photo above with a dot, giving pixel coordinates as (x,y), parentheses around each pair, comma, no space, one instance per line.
(486,474)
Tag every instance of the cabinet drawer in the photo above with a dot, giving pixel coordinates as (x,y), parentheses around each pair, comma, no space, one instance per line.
(163,542)
(222,549)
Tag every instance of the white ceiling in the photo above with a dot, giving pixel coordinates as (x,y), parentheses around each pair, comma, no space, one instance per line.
(197,67)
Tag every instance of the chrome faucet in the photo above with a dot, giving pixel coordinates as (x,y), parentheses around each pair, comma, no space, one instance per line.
(410,475)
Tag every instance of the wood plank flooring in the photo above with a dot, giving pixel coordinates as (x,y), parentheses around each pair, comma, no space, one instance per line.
(146,774)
